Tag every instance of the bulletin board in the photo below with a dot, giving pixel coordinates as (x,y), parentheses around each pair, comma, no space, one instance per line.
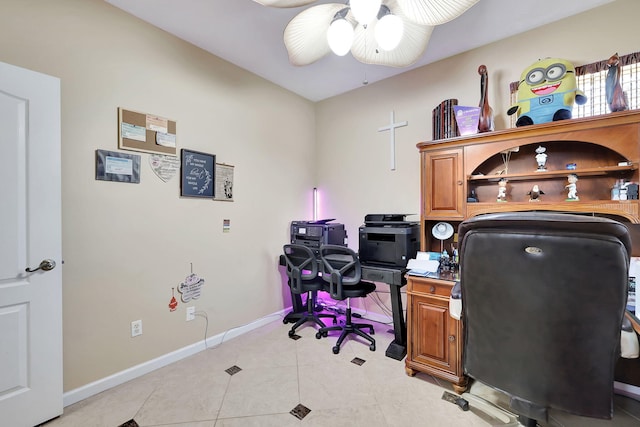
(146,132)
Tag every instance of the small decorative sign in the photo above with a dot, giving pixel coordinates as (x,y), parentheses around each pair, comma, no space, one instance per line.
(224,182)
(191,288)
(115,166)
(165,167)
(197,174)
(173,303)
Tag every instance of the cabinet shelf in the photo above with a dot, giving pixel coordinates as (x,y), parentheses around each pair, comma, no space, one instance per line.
(624,208)
(605,170)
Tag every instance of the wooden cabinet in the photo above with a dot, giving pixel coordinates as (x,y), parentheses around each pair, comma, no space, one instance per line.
(604,149)
(443,184)
(433,336)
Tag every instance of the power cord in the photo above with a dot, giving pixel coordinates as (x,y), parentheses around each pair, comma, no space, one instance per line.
(206,327)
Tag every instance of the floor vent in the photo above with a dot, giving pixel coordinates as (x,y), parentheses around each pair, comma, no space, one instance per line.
(300,411)
(358,361)
(232,370)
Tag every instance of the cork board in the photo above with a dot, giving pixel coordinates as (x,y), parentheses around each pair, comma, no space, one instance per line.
(146,132)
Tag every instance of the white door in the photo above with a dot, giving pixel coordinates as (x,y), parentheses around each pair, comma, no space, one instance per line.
(30,232)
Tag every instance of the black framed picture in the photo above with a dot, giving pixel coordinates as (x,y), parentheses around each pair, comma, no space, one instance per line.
(115,166)
(197,176)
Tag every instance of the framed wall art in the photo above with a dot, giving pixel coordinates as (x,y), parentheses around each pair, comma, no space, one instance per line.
(197,175)
(224,183)
(115,166)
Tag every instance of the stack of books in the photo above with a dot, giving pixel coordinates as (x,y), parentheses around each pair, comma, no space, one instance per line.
(444,120)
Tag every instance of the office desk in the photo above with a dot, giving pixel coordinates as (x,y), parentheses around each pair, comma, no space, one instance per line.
(395,278)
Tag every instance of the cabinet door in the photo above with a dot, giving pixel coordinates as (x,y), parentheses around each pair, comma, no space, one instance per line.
(434,335)
(443,184)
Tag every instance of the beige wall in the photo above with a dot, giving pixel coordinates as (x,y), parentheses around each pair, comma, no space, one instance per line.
(120,267)
(125,245)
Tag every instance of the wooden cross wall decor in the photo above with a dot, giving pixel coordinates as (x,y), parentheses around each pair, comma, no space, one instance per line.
(392,128)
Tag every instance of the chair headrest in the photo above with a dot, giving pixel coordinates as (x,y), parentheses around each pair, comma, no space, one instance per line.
(548,221)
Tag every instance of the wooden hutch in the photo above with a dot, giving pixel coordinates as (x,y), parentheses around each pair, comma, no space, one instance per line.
(604,150)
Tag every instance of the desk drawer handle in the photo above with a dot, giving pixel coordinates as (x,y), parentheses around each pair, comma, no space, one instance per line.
(452,338)
(433,289)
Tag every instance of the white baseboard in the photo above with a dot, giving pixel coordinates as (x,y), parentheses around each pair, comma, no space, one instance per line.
(627,390)
(88,390)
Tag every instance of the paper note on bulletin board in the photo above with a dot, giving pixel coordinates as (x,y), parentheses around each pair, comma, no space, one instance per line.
(224,182)
(146,132)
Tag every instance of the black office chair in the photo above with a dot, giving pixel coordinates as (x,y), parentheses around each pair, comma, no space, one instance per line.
(302,270)
(543,300)
(342,271)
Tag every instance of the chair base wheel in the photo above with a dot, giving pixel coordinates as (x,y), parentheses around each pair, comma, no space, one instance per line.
(372,347)
(318,335)
(292,333)
(336,350)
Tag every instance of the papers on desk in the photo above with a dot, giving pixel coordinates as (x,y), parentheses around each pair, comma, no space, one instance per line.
(425,265)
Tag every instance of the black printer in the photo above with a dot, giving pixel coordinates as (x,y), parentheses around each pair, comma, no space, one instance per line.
(388,240)
(313,234)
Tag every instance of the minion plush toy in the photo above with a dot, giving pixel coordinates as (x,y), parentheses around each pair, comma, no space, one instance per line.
(546,92)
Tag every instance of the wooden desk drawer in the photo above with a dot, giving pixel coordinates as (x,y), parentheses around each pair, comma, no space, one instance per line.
(430,287)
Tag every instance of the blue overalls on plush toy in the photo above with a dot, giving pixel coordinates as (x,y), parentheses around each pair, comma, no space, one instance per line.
(546,92)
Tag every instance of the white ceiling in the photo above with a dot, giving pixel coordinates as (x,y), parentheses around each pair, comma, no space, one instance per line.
(249,35)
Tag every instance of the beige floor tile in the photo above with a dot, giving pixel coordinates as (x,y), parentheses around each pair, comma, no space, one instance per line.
(432,412)
(335,384)
(365,416)
(109,408)
(277,373)
(275,420)
(257,391)
(196,396)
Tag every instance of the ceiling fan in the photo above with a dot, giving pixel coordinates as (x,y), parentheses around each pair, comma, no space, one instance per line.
(382,32)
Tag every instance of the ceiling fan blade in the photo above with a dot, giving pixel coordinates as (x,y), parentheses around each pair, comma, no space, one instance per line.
(412,45)
(305,36)
(434,12)
(284,3)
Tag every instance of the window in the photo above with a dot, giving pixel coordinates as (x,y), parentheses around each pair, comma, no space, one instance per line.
(591,79)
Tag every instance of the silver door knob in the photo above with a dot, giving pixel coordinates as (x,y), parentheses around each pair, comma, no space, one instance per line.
(46,265)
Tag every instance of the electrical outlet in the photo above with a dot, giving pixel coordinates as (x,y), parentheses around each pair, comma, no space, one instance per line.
(136,328)
(191,313)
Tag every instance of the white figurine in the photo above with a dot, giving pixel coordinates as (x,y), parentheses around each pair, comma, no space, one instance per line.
(572,189)
(541,158)
(534,194)
(502,190)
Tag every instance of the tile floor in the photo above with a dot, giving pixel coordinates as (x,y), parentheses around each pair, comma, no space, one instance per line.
(278,373)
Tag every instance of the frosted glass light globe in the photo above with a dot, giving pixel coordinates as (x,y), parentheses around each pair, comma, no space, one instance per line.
(340,36)
(365,10)
(388,32)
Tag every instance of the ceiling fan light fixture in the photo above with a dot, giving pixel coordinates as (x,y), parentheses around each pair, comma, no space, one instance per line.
(389,30)
(340,36)
(364,10)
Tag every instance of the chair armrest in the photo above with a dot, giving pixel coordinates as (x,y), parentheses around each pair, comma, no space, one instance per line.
(455,302)
(629,345)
